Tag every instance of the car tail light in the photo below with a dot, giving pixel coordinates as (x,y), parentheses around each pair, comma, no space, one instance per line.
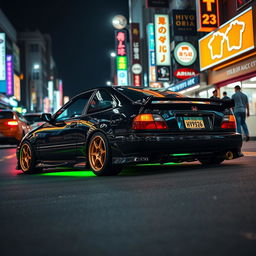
(149,122)
(12,123)
(229,122)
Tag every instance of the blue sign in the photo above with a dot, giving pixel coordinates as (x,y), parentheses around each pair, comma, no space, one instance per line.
(152,58)
(151,52)
(185,84)
(3,86)
(151,37)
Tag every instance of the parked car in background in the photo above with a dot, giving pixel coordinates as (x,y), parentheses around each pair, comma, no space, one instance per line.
(34,119)
(13,126)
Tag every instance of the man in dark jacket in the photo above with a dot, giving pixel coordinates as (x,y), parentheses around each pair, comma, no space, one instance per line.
(241,105)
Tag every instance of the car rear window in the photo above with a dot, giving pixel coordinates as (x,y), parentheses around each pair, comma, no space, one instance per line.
(6,115)
(135,94)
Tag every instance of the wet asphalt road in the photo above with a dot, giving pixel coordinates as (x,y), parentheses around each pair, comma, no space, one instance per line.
(183,209)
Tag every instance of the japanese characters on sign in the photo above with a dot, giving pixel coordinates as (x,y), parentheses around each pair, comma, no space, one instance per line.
(121,59)
(233,38)
(185,54)
(136,54)
(151,53)
(207,15)
(121,63)
(9,73)
(162,35)
(162,45)
(121,42)
(184,22)
(2,63)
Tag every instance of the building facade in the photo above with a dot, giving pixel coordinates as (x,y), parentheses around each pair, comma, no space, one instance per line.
(9,64)
(212,46)
(38,68)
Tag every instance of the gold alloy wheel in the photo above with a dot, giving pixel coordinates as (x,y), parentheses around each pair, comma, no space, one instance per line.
(25,157)
(97,153)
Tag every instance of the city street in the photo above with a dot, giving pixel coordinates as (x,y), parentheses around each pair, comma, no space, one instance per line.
(177,209)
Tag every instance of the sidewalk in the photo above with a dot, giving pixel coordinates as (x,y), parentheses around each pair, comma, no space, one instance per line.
(249,146)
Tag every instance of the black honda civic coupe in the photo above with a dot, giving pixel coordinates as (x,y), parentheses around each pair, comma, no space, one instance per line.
(107,128)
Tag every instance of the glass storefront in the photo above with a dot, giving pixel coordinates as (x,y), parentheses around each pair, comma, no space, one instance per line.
(248,87)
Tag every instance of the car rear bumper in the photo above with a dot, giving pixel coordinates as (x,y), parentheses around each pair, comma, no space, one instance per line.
(154,147)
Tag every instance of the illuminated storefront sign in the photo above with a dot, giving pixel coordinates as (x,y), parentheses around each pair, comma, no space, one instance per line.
(207,15)
(193,81)
(9,75)
(121,62)
(61,91)
(151,53)
(162,43)
(185,73)
(136,54)
(17,87)
(121,59)
(50,91)
(184,22)
(122,77)
(185,54)
(163,73)
(230,40)
(162,35)
(2,63)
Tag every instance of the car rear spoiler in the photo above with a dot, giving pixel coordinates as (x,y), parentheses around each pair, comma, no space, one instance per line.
(222,104)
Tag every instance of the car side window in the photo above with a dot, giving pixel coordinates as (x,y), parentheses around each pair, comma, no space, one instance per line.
(101,101)
(75,109)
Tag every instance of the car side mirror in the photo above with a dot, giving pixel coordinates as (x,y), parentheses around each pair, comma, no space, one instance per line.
(47,117)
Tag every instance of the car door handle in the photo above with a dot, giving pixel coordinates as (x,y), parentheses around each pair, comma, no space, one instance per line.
(72,125)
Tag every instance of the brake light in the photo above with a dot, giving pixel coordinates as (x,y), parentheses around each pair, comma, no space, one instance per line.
(229,122)
(149,122)
(12,123)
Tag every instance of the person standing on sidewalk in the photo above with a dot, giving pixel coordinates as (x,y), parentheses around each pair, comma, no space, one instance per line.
(214,95)
(225,96)
(241,105)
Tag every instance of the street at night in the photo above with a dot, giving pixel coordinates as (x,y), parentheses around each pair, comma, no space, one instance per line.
(180,209)
(128,128)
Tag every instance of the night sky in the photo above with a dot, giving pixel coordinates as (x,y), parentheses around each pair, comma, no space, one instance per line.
(82,35)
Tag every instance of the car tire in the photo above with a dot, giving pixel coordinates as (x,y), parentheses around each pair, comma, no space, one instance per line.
(212,160)
(99,156)
(27,158)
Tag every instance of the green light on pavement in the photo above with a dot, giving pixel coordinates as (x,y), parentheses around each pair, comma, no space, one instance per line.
(184,154)
(76,174)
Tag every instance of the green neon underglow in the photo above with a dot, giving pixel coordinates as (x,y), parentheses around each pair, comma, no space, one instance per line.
(183,154)
(77,174)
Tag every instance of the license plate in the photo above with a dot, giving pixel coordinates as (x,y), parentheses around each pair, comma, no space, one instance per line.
(194,122)
(1,135)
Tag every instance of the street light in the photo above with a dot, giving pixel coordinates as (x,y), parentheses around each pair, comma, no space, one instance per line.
(113,54)
(36,66)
